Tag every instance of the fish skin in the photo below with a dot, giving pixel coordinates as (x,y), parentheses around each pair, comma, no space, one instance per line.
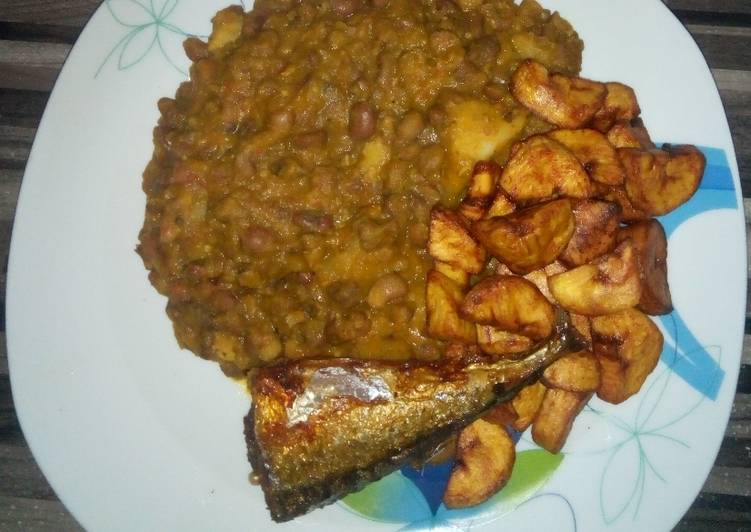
(338,440)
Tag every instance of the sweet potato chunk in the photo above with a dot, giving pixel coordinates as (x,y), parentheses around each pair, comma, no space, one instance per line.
(526,404)
(539,278)
(485,455)
(651,249)
(575,372)
(540,169)
(608,284)
(529,239)
(597,224)
(451,242)
(553,422)
(659,181)
(620,104)
(510,303)
(564,101)
(442,300)
(627,345)
(594,152)
(495,341)
(482,186)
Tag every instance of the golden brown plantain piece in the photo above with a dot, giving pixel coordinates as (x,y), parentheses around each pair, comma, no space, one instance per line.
(598,157)
(630,134)
(442,299)
(451,242)
(575,372)
(597,224)
(627,345)
(526,404)
(541,169)
(485,455)
(459,276)
(564,101)
(620,104)
(503,414)
(529,239)
(618,195)
(510,303)
(495,341)
(481,190)
(651,248)
(556,416)
(583,327)
(608,284)
(500,206)
(659,181)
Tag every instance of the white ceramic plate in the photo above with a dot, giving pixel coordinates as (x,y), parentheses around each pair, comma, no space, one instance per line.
(134,434)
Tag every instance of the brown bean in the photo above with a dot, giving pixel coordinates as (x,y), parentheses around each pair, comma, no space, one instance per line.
(387,288)
(374,235)
(431,159)
(437,116)
(257,239)
(282,121)
(418,234)
(346,294)
(343,329)
(442,40)
(311,139)
(345,8)
(410,126)
(362,121)
(380,3)
(313,221)
(401,314)
(195,49)
(483,51)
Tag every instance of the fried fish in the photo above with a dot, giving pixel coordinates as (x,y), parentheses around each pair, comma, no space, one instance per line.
(321,429)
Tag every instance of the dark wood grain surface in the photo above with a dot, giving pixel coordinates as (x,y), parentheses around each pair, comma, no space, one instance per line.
(35,37)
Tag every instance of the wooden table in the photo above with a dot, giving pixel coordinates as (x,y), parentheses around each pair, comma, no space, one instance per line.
(35,37)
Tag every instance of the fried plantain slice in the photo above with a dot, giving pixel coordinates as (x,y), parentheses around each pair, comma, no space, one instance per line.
(450,241)
(567,102)
(598,157)
(481,190)
(526,404)
(485,456)
(597,224)
(606,285)
(575,372)
(500,206)
(442,299)
(541,168)
(529,239)
(630,134)
(459,276)
(618,195)
(651,248)
(627,345)
(509,303)
(495,341)
(620,104)
(659,181)
(556,416)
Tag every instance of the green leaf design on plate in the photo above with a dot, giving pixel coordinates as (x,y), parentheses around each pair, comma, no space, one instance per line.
(532,470)
(393,499)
